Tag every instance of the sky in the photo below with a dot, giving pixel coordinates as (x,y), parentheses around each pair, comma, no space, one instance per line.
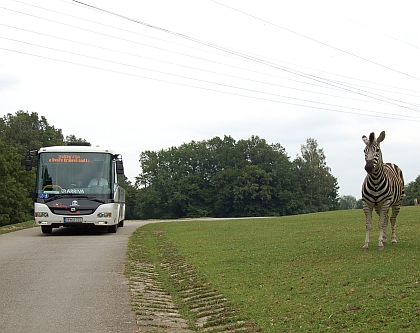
(149,75)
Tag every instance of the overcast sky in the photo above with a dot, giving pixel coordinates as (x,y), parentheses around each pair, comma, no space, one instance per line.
(169,72)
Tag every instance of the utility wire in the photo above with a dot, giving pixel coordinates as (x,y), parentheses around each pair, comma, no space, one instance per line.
(322,80)
(377,31)
(183,45)
(120,29)
(189,78)
(312,39)
(339,86)
(189,67)
(218,91)
(351,78)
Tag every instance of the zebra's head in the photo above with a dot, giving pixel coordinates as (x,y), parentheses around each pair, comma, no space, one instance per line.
(373,155)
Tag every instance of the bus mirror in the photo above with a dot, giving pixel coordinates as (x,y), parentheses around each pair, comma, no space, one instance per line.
(28,163)
(120,167)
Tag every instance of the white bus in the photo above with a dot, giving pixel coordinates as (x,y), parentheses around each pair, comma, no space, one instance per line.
(77,185)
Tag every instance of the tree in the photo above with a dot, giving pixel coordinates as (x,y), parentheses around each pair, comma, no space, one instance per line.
(412,191)
(72,139)
(19,134)
(254,192)
(218,177)
(27,131)
(16,183)
(319,187)
(223,184)
(265,185)
(347,202)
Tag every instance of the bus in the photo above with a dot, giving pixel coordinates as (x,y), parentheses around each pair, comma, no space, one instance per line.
(77,185)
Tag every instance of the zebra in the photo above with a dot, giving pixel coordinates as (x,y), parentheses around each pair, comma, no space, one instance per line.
(382,189)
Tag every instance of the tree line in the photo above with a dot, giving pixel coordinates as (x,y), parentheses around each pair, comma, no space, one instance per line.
(20,133)
(220,177)
(412,191)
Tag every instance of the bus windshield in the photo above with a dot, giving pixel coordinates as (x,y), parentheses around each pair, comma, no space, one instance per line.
(74,174)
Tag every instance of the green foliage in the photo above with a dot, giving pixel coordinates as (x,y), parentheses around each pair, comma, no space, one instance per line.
(16,183)
(132,199)
(304,273)
(319,187)
(225,178)
(72,139)
(27,131)
(412,191)
(347,202)
(19,134)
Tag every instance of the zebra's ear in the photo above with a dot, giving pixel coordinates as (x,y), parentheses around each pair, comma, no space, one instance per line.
(381,137)
(365,139)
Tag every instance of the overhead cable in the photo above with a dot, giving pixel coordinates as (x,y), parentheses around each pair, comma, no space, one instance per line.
(398,117)
(327,82)
(312,39)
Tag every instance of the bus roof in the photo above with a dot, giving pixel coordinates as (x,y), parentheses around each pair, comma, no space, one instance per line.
(76,149)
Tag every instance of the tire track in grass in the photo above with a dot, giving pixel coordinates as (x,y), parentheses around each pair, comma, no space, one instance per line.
(153,305)
(169,296)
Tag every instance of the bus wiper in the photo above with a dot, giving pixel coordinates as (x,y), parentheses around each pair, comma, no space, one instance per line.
(96,199)
(56,197)
(87,197)
(73,196)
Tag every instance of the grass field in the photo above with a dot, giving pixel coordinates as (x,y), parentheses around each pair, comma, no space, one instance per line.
(304,273)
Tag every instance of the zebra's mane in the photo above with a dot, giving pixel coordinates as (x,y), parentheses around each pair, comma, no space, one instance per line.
(371,137)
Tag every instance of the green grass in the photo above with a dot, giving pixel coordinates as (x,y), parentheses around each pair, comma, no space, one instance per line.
(304,273)
(14,227)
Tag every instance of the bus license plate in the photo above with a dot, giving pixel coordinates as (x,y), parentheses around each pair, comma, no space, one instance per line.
(73,219)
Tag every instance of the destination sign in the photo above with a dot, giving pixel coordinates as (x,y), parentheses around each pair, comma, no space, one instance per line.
(68,159)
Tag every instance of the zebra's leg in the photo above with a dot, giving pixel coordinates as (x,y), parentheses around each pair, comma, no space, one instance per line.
(368,213)
(395,211)
(386,219)
(383,223)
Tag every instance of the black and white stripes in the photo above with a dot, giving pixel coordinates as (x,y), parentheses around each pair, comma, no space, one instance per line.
(382,189)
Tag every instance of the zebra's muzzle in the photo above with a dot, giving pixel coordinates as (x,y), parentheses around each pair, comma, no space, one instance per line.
(369,166)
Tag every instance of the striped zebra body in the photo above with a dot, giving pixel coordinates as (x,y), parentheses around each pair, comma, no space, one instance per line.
(383,189)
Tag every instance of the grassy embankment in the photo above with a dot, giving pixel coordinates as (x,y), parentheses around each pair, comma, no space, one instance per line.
(19,226)
(303,273)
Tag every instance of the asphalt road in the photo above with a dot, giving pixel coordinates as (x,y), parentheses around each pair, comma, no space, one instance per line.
(69,281)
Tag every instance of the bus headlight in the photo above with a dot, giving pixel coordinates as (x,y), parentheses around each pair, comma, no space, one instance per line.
(106,215)
(41,214)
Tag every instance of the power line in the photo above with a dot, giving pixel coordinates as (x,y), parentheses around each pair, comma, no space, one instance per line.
(322,80)
(189,67)
(351,78)
(377,31)
(338,85)
(312,39)
(312,77)
(218,91)
(183,45)
(185,77)
(116,28)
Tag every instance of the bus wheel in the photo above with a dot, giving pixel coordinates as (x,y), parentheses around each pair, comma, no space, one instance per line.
(121,224)
(112,229)
(46,229)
